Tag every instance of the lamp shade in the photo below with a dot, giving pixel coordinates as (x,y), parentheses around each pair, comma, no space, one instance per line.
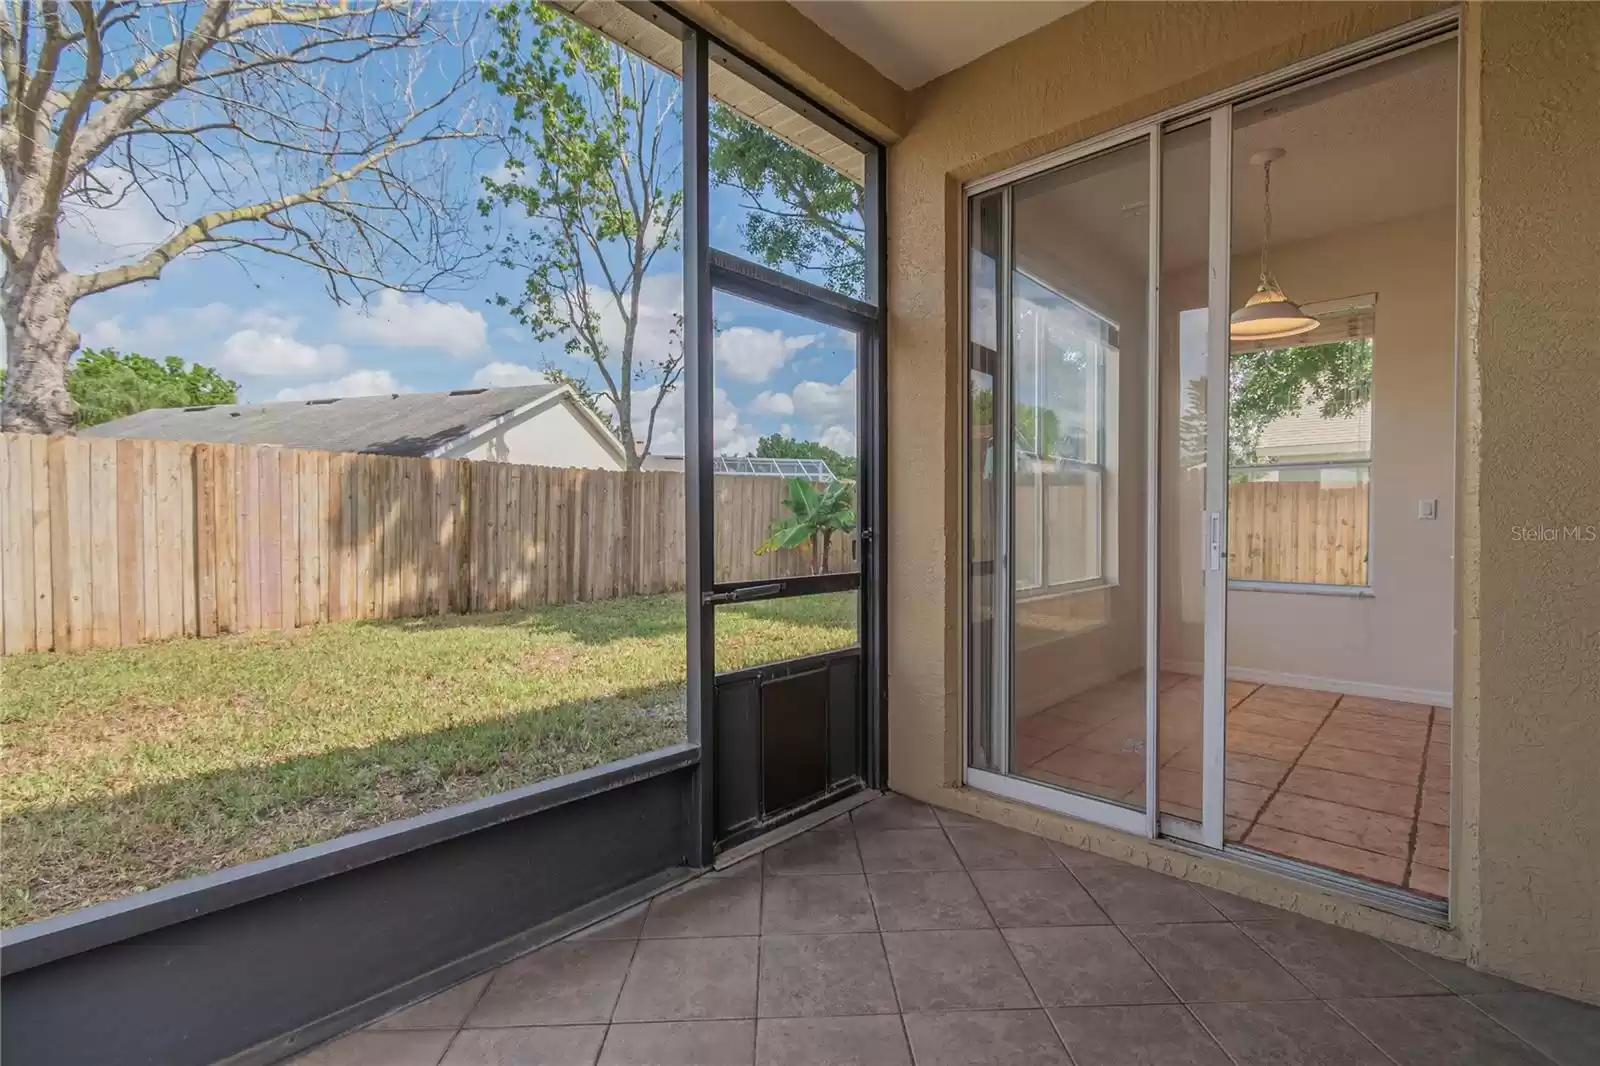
(1268,315)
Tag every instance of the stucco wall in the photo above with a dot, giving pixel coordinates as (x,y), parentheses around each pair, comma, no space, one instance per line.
(1530,647)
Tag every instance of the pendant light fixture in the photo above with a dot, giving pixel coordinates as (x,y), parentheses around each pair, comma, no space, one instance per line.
(1268,314)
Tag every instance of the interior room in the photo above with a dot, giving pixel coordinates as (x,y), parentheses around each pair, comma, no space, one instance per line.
(1340,527)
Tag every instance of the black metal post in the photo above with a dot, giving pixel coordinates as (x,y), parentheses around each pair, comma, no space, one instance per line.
(698,445)
(872,418)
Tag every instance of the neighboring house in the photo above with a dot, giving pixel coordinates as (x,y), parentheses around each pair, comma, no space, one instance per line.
(1307,437)
(542,425)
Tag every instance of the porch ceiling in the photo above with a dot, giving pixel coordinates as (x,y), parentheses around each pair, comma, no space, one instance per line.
(915,41)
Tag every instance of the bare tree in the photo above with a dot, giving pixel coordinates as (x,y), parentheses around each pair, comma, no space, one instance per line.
(594,172)
(322,132)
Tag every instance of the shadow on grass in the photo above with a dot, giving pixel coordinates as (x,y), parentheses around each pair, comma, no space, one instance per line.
(635,617)
(592,623)
(62,857)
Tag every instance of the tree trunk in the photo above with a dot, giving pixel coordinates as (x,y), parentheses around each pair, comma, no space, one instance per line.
(827,546)
(35,302)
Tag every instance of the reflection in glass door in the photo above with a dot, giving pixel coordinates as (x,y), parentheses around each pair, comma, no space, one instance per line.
(1057,511)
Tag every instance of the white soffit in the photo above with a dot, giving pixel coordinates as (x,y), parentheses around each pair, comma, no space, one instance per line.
(914,41)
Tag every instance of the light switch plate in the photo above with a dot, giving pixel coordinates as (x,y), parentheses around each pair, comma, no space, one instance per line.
(1428,509)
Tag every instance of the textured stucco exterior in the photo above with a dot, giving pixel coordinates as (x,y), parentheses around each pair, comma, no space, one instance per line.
(1529,645)
(1526,889)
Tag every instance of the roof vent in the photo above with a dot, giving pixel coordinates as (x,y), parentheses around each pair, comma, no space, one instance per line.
(203,407)
(322,403)
(234,414)
(467,392)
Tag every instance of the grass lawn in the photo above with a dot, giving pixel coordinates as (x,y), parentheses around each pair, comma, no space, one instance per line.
(129,768)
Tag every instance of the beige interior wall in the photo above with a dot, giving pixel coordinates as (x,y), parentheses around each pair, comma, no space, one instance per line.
(1399,640)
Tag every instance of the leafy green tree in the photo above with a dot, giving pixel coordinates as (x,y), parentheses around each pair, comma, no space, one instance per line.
(814,517)
(804,214)
(1269,384)
(777,446)
(106,385)
(592,166)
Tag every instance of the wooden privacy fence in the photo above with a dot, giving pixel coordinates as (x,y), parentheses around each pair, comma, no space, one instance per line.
(106,542)
(1298,531)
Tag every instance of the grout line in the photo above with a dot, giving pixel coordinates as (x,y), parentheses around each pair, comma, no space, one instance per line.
(1416,810)
(1256,820)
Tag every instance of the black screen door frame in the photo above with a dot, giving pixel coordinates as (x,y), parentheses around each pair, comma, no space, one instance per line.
(707,271)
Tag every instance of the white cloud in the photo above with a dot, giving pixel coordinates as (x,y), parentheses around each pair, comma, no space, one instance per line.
(827,405)
(773,403)
(163,333)
(129,226)
(402,320)
(656,331)
(754,355)
(355,383)
(503,375)
(731,434)
(268,352)
(840,440)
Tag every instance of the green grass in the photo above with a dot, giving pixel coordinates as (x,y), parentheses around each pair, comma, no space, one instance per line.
(126,769)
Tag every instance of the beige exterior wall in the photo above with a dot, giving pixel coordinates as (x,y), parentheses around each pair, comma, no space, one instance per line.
(1527,671)
(1528,678)
(555,435)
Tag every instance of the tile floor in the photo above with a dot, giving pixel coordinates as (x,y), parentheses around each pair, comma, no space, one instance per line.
(1351,783)
(900,935)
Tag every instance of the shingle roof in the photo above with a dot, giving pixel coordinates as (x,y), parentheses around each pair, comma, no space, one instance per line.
(413,423)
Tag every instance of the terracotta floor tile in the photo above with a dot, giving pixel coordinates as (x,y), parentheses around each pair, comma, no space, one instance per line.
(1254,770)
(1028,750)
(1272,725)
(1376,743)
(1430,879)
(1180,794)
(1435,805)
(1238,691)
(1372,705)
(1268,747)
(1050,726)
(1309,696)
(1361,763)
(1442,714)
(1350,860)
(1191,757)
(1377,723)
(1119,772)
(1352,790)
(1088,788)
(1433,845)
(1385,834)
(1124,733)
(1299,712)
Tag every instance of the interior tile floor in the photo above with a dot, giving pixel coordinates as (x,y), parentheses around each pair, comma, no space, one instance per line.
(899,934)
(1351,783)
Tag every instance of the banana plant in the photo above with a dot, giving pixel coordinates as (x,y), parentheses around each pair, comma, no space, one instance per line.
(815,516)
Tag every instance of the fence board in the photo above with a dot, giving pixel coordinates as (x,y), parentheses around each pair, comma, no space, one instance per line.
(111,542)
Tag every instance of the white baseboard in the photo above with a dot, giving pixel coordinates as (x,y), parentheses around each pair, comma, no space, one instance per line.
(1431,697)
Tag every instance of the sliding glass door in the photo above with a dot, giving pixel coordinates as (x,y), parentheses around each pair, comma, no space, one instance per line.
(1136,655)
(1097,481)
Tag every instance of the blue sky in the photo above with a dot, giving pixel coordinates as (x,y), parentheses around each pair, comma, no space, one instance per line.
(271,326)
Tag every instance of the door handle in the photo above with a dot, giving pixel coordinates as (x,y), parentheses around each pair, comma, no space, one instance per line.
(1214,540)
(744,595)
